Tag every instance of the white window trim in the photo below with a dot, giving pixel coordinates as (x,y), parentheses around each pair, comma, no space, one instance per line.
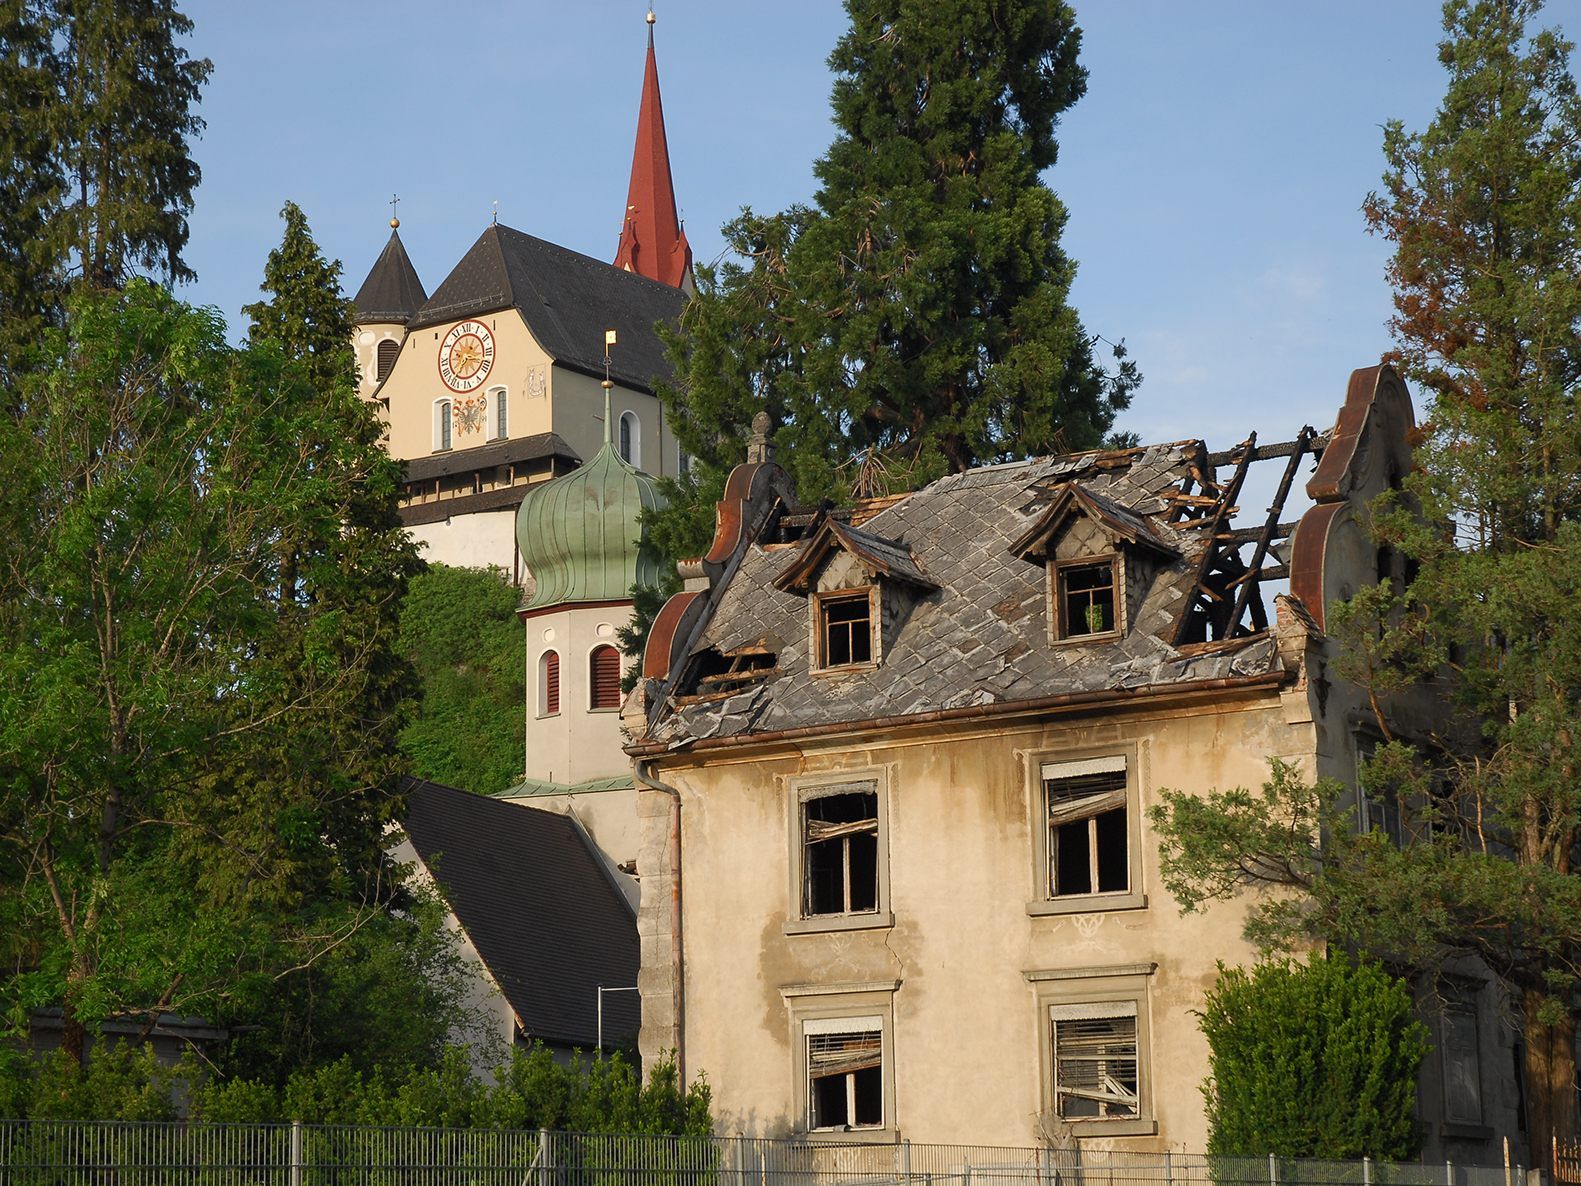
(835,782)
(631,418)
(444,411)
(541,695)
(842,1008)
(1125,987)
(1069,763)
(496,400)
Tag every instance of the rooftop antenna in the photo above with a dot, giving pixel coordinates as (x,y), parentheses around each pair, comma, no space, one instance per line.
(609,340)
(395,201)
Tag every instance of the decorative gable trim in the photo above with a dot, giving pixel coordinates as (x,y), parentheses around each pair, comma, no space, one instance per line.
(884,558)
(1036,544)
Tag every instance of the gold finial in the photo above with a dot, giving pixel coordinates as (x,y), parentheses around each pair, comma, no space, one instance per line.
(394,220)
(608,385)
(651,17)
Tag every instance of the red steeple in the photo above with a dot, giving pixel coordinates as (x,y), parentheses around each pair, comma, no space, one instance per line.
(652,243)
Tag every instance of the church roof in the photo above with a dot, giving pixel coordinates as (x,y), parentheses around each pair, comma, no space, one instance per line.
(392,291)
(538,904)
(652,240)
(567,299)
(580,534)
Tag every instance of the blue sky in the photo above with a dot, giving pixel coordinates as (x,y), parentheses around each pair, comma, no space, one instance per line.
(1213,172)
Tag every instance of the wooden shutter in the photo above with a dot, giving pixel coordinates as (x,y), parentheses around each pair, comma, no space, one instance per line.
(389,351)
(604,677)
(551,683)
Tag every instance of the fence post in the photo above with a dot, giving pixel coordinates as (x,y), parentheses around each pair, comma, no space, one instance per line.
(1169,1169)
(1273,1171)
(543,1156)
(1366,1172)
(296,1153)
(1449,1173)
(905,1160)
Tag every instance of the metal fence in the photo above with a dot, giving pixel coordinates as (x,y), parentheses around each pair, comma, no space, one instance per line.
(54,1153)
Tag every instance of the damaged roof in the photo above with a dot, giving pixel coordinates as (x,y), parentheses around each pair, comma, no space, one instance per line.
(976,632)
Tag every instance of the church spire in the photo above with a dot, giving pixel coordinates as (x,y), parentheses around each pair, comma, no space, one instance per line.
(652,240)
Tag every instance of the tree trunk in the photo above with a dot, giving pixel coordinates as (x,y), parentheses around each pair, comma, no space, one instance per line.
(1550,1080)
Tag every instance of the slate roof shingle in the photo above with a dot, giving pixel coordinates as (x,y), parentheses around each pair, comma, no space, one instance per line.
(539,906)
(392,291)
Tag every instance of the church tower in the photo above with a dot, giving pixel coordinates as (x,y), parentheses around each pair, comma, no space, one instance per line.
(388,298)
(652,240)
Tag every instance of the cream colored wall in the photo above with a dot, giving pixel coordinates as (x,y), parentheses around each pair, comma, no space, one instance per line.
(577,743)
(968,1026)
(471,541)
(610,818)
(579,418)
(520,366)
(365,341)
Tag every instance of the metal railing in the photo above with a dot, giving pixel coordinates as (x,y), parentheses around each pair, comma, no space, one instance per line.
(61,1153)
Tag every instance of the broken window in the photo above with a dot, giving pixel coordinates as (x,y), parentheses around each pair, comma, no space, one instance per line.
(1087,599)
(845,630)
(1088,829)
(1461,1051)
(840,854)
(845,1073)
(1096,1068)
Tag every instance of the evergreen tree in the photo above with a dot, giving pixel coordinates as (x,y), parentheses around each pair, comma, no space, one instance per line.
(1314,1059)
(31,181)
(460,632)
(915,319)
(306,312)
(126,93)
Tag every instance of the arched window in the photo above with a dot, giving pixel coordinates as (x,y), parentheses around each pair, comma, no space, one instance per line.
(603,677)
(441,424)
(548,683)
(389,351)
(631,438)
(500,424)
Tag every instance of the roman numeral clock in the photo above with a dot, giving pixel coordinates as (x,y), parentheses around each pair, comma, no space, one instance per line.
(466,356)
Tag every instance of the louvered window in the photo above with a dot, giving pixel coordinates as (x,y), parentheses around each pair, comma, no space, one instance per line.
(1095,1060)
(549,684)
(840,854)
(604,677)
(845,1073)
(1086,807)
(389,351)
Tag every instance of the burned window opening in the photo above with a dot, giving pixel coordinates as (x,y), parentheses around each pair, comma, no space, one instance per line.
(845,630)
(1087,599)
(1088,834)
(840,854)
(845,1079)
(1096,1063)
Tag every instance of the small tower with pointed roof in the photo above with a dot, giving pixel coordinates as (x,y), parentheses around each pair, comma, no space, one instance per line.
(387,300)
(652,239)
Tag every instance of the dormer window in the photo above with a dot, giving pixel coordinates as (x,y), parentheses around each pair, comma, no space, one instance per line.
(858,587)
(845,628)
(1093,550)
(1086,600)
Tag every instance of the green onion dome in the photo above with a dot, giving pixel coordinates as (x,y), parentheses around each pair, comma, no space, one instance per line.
(579,533)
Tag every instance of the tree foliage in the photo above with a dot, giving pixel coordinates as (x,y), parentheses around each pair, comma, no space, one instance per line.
(1314,1059)
(460,632)
(198,687)
(915,318)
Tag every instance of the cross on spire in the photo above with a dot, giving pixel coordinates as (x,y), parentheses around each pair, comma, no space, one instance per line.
(395,220)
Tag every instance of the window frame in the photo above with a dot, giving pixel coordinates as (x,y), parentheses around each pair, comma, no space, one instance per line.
(444,425)
(541,696)
(828,1008)
(800,792)
(1461,1000)
(1059,628)
(497,411)
(592,682)
(1076,761)
(1072,990)
(817,629)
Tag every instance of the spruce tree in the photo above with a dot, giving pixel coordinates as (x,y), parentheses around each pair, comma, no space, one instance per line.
(31,180)
(915,319)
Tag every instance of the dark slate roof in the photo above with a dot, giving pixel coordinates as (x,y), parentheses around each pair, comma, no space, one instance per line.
(461,461)
(567,299)
(538,904)
(392,291)
(981,637)
(887,557)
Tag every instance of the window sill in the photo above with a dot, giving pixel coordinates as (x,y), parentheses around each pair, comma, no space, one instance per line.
(853,1136)
(840,922)
(1462,1131)
(845,669)
(1076,640)
(1087,904)
(1140,1127)
(611,708)
(547,716)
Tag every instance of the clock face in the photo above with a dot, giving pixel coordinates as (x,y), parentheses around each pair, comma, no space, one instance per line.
(466,356)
